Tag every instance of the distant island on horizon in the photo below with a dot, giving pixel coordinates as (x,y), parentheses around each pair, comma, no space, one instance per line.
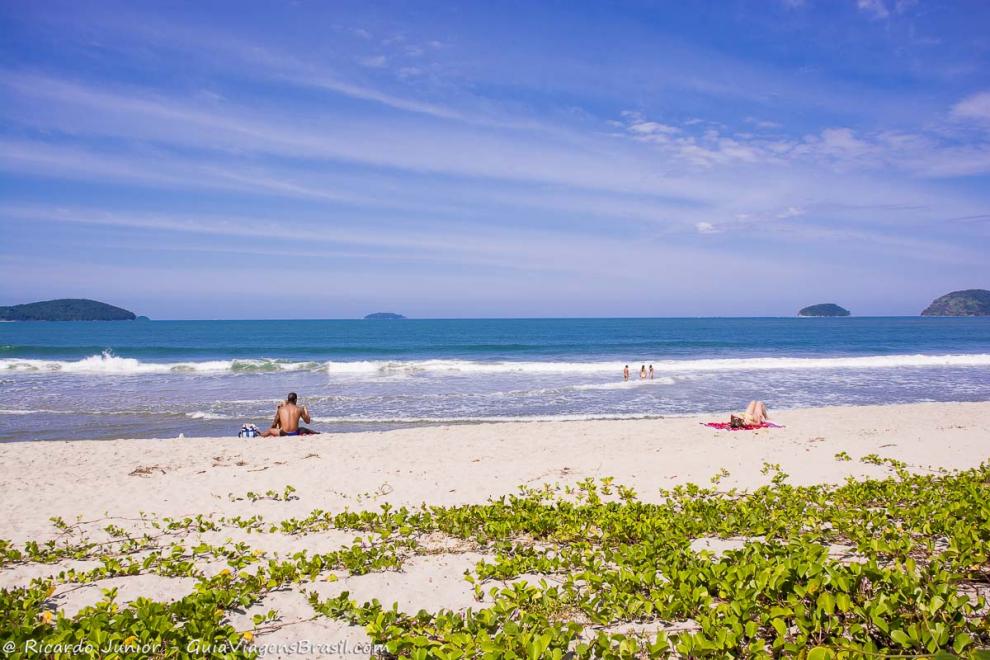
(384,316)
(824,309)
(968,302)
(67,309)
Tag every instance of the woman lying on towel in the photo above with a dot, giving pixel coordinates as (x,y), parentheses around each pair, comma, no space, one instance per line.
(755,415)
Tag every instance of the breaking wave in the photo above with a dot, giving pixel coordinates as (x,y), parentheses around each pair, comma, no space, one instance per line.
(108,363)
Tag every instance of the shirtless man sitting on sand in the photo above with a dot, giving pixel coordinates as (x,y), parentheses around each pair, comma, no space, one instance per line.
(287,418)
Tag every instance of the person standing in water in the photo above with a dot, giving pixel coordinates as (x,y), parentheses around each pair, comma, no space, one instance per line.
(625,373)
(642,372)
(651,372)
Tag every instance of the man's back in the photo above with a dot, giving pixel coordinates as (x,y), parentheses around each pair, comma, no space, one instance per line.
(289,415)
(287,418)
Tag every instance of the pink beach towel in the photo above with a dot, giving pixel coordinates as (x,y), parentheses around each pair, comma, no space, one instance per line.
(725,426)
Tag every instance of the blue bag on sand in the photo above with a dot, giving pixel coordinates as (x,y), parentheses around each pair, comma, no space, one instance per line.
(249,431)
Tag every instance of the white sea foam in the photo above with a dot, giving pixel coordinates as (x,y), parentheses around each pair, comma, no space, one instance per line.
(664,366)
(625,385)
(199,414)
(107,363)
(36,412)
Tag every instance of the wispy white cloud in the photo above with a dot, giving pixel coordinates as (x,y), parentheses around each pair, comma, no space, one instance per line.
(763,123)
(701,176)
(533,250)
(373,61)
(902,6)
(875,8)
(35,158)
(841,142)
(728,158)
(741,205)
(925,153)
(262,62)
(230,128)
(975,107)
(647,131)
(436,244)
(791,212)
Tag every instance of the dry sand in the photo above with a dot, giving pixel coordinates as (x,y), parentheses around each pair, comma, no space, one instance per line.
(437,465)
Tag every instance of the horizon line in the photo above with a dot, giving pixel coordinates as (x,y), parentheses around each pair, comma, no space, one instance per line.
(509,318)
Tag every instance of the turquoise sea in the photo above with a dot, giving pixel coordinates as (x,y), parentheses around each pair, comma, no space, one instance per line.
(162,378)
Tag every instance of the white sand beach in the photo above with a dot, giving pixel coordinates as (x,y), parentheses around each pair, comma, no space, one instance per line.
(118,481)
(468,463)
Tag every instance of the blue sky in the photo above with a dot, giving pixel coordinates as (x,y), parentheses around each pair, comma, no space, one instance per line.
(326,160)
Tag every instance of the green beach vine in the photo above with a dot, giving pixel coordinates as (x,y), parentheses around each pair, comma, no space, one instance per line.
(898,566)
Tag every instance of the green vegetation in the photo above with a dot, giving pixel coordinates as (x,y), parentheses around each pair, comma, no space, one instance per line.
(971,302)
(285,496)
(877,567)
(65,309)
(824,309)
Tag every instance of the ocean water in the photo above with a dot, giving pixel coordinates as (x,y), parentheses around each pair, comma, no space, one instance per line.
(162,378)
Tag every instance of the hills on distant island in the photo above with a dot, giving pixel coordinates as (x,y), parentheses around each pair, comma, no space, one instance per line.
(969,302)
(66,309)
(384,316)
(824,309)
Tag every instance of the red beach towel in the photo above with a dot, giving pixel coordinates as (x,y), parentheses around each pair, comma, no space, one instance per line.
(725,426)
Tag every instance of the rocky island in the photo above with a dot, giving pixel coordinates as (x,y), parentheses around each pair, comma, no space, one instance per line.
(824,309)
(384,316)
(970,302)
(66,309)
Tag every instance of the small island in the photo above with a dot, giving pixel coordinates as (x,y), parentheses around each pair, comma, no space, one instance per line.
(824,309)
(970,302)
(66,309)
(384,316)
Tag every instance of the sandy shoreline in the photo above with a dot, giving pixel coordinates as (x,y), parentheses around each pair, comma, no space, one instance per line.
(467,463)
(121,479)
